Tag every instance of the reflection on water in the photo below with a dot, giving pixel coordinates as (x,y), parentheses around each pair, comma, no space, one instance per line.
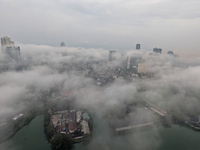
(160,138)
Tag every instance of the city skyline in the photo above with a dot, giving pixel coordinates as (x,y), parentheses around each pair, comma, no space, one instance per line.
(110,24)
(99,74)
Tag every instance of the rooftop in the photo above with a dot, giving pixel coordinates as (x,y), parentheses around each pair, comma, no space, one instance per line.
(86,116)
(72,126)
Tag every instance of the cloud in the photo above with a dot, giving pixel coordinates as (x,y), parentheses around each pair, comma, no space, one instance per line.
(91,28)
(103,24)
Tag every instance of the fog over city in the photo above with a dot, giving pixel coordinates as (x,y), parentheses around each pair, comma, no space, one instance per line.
(108,24)
(42,65)
(41,71)
(99,69)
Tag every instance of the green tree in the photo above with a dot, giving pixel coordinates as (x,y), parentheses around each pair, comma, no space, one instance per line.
(49,131)
(79,126)
(60,141)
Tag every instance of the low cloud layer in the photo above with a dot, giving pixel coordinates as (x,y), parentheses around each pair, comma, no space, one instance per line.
(42,70)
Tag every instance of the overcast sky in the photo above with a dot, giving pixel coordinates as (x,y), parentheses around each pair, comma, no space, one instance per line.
(109,24)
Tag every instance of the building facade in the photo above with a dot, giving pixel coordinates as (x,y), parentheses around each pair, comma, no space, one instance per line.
(62,44)
(137,46)
(157,50)
(111,55)
(12,53)
(170,53)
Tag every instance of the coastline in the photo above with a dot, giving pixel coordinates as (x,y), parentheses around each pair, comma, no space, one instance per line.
(9,136)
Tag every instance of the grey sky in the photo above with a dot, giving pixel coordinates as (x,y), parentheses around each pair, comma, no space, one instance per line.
(109,24)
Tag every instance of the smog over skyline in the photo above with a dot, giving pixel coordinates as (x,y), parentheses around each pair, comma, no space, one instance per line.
(98,70)
(171,25)
(42,67)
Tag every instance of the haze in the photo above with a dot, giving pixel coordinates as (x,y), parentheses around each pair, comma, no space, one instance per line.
(108,24)
(90,29)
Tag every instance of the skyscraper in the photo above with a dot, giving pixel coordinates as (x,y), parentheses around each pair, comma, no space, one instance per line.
(111,55)
(137,46)
(170,53)
(12,51)
(62,44)
(5,41)
(128,62)
(157,50)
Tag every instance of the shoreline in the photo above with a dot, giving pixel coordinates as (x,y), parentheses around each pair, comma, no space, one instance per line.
(4,139)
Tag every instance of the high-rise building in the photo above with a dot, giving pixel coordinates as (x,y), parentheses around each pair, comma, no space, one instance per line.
(128,62)
(11,50)
(6,41)
(157,50)
(111,55)
(138,46)
(62,44)
(170,53)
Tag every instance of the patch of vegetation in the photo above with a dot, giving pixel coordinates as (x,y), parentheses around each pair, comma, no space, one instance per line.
(48,129)
(61,142)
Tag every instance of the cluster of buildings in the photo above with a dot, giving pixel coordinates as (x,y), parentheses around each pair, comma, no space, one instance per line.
(12,54)
(72,122)
(172,54)
(129,68)
(157,50)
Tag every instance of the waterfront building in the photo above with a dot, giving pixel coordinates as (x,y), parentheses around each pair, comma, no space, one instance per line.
(86,116)
(72,126)
(85,127)
(56,119)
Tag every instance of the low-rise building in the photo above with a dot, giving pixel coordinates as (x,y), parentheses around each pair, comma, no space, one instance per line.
(86,116)
(142,68)
(63,129)
(72,126)
(78,116)
(56,119)
(85,127)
